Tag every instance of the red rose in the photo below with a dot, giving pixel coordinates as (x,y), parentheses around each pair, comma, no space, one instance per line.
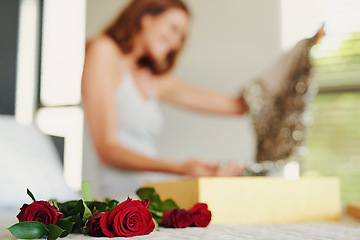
(94,225)
(200,214)
(176,218)
(39,211)
(130,218)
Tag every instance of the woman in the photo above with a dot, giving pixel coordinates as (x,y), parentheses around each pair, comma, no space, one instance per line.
(127,70)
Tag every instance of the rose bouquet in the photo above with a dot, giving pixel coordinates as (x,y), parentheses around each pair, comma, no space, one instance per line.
(108,218)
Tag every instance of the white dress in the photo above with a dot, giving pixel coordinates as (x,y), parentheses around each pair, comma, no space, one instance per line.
(139,122)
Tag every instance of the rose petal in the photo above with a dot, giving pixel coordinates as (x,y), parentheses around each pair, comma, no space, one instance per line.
(105,226)
(199,207)
(40,211)
(201,215)
(131,218)
(94,225)
(183,219)
(145,202)
(119,227)
(118,208)
(150,227)
(166,219)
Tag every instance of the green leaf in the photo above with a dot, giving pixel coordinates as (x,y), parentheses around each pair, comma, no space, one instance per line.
(67,208)
(111,204)
(66,225)
(77,221)
(86,191)
(106,205)
(30,195)
(145,193)
(96,207)
(77,214)
(28,230)
(87,212)
(169,204)
(150,194)
(54,232)
(79,208)
(155,201)
(156,206)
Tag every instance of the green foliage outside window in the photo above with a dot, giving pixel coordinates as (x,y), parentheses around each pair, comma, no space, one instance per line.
(334,143)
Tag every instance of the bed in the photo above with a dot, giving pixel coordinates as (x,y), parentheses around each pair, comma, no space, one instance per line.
(347,229)
(22,169)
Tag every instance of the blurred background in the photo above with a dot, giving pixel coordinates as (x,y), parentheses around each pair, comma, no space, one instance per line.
(42,44)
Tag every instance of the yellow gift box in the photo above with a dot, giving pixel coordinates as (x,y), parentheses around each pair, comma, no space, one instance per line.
(245,200)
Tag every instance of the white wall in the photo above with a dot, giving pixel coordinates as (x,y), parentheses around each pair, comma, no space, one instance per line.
(230,42)
(100,13)
(294,25)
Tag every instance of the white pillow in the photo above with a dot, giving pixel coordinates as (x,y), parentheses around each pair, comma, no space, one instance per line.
(28,159)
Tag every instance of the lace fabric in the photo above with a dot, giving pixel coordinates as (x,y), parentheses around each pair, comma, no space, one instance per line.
(279,105)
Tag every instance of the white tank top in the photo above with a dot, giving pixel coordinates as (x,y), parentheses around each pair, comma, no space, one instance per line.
(139,119)
(139,122)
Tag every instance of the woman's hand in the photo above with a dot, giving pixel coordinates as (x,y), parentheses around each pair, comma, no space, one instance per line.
(199,168)
(231,169)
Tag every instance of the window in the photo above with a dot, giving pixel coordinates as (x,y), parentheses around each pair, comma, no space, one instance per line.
(334,144)
(62,56)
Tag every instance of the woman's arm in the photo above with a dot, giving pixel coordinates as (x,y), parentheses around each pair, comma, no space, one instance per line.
(100,78)
(173,90)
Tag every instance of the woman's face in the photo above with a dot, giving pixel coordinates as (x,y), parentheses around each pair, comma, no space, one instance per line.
(164,33)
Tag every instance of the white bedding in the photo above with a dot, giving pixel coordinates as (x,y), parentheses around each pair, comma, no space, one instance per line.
(347,229)
(28,159)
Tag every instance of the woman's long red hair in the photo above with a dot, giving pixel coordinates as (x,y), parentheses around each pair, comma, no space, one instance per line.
(128,24)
